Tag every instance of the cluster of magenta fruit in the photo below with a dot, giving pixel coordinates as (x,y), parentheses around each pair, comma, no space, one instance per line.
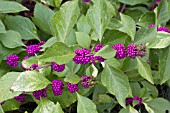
(85,56)
(161,28)
(130,100)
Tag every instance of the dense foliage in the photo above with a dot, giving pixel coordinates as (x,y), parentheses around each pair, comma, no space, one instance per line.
(92,56)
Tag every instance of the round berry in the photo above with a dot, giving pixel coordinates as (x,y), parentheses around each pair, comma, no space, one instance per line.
(132,50)
(85,81)
(33,49)
(120,51)
(20,98)
(40,93)
(98,47)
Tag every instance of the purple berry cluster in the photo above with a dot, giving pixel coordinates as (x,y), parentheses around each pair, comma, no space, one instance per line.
(35,48)
(98,47)
(40,93)
(57,67)
(120,51)
(86,0)
(12,60)
(85,81)
(161,28)
(34,66)
(20,98)
(57,87)
(84,56)
(1,103)
(130,100)
(132,50)
(72,87)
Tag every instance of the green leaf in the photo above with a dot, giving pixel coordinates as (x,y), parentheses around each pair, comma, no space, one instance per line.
(129,109)
(85,105)
(64,20)
(30,81)
(11,39)
(45,106)
(133,2)
(145,35)
(2,27)
(32,60)
(82,25)
(162,12)
(11,7)
(58,53)
(42,17)
(1,110)
(11,105)
(6,83)
(106,52)
(145,70)
(116,83)
(49,42)
(161,41)
(58,109)
(129,25)
(23,25)
(145,19)
(158,105)
(72,78)
(164,65)
(98,17)
(83,39)
(113,62)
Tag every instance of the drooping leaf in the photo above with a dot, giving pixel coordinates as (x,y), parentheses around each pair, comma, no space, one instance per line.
(85,105)
(23,25)
(116,83)
(42,17)
(11,7)
(2,27)
(133,2)
(129,25)
(162,41)
(162,12)
(99,17)
(164,65)
(6,83)
(58,53)
(158,105)
(83,39)
(64,20)
(82,25)
(30,81)
(106,52)
(11,39)
(145,70)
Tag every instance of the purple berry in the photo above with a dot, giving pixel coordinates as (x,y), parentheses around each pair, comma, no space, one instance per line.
(98,58)
(33,49)
(98,47)
(57,87)
(20,98)
(151,25)
(120,51)
(132,50)
(139,100)
(82,56)
(12,60)
(34,66)
(86,0)
(57,67)
(85,81)
(158,0)
(72,87)
(41,43)
(162,28)
(1,103)
(40,93)
(129,101)
(153,7)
